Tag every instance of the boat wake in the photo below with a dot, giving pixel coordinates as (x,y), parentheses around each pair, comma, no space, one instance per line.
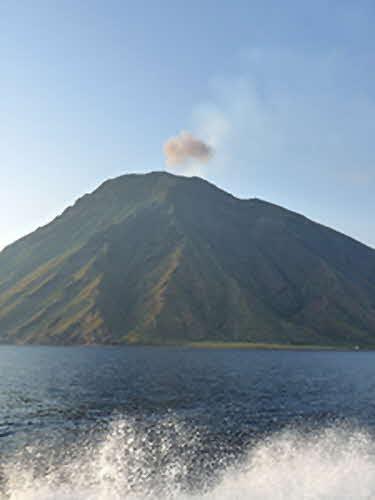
(139,461)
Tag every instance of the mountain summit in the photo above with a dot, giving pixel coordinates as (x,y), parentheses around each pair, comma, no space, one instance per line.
(161,259)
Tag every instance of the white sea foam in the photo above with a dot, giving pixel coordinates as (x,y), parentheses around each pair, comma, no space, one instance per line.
(133,464)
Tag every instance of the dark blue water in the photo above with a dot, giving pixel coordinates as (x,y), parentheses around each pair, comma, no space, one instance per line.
(175,423)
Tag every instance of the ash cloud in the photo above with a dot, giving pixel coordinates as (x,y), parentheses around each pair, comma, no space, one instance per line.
(185,148)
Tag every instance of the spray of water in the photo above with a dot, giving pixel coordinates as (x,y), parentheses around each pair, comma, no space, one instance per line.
(141,462)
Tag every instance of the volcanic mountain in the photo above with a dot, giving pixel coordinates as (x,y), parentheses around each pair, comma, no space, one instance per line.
(163,259)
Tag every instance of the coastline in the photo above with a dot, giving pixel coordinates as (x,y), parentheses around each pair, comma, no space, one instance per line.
(271,346)
(260,346)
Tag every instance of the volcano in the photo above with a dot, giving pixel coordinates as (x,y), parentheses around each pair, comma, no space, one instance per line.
(164,259)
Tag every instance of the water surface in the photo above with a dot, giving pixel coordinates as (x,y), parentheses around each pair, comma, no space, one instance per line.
(137,423)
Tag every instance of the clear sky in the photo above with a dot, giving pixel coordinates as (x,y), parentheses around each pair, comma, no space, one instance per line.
(284,91)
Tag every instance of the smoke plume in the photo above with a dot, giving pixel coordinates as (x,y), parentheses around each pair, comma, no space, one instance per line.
(185,148)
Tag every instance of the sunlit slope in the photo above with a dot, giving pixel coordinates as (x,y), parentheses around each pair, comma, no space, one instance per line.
(163,259)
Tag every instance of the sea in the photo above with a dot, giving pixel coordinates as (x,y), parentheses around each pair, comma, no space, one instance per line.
(137,423)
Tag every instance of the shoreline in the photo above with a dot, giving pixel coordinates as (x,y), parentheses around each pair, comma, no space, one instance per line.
(253,346)
(272,346)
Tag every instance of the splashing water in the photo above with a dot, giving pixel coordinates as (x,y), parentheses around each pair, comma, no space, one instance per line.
(138,462)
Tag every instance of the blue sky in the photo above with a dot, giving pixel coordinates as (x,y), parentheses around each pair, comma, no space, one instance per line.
(283,91)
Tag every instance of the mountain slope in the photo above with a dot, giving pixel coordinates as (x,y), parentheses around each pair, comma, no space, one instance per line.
(159,258)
